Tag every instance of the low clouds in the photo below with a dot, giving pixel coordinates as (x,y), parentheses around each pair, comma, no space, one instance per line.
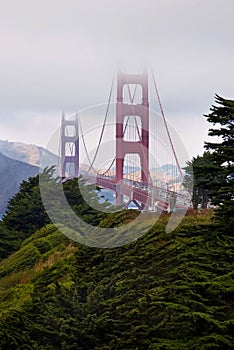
(61,54)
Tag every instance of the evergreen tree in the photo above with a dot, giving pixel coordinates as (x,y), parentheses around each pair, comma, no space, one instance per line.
(26,213)
(201,179)
(222,118)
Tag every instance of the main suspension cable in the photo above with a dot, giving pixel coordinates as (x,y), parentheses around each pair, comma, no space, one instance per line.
(103,125)
(133,97)
(85,147)
(166,126)
(110,166)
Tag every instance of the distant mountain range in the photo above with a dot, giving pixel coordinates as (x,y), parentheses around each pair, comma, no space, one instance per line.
(12,173)
(19,161)
(26,153)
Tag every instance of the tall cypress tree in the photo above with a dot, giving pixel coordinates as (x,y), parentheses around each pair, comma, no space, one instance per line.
(222,117)
(201,179)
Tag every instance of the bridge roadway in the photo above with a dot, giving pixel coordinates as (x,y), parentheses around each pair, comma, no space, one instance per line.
(151,197)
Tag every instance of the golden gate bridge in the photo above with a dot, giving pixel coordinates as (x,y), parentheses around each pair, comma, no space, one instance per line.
(134,173)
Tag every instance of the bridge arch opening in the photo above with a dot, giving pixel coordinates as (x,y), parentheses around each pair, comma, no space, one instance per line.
(132,94)
(69,148)
(132,128)
(70,170)
(70,131)
(132,167)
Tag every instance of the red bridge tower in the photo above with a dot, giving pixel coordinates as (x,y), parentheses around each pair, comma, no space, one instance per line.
(123,110)
(69,148)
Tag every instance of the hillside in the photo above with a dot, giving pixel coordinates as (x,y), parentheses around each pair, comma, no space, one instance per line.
(160,292)
(18,161)
(26,153)
(12,173)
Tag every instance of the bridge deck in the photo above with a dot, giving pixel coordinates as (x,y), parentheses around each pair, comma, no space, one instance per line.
(149,196)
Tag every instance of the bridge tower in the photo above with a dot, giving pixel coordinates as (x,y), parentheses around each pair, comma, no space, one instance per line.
(123,110)
(69,151)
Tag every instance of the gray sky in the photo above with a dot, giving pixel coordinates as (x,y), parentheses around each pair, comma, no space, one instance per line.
(61,55)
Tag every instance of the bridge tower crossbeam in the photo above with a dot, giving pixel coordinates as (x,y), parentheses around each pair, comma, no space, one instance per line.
(69,148)
(124,147)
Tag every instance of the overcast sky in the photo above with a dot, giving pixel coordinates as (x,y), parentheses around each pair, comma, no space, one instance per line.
(61,55)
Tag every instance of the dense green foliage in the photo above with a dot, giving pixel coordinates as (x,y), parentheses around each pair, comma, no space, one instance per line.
(26,213)
(222,118)
(160,292)
(202,179)
(211,176)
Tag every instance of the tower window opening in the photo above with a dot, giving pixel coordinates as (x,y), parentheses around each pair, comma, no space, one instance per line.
(132,128)
(70,130)
(69,148)
(132,94)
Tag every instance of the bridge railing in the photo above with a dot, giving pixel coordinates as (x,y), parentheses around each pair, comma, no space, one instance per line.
(147,192)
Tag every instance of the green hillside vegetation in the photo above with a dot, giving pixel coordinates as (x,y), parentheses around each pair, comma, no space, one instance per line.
(25,211)
(164,291)
(161,292)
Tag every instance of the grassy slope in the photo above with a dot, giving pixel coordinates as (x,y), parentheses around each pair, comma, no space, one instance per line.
(160,292)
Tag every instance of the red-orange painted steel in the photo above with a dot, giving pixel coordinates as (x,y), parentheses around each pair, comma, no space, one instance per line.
(141,110)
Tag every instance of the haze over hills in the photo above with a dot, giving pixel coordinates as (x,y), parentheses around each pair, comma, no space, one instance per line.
(26,153)
(19,161)
(167,174)
(12,173)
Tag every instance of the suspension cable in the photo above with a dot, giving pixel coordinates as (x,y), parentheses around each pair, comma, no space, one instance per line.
(133,109)
(85,147)
(125,127)
(103,125)
(106,171)
(166,126)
